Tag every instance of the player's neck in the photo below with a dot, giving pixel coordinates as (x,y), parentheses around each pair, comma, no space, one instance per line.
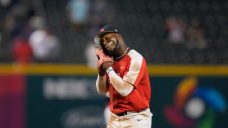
(125,51)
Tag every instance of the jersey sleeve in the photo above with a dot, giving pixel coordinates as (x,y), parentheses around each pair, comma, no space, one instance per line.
(136,70)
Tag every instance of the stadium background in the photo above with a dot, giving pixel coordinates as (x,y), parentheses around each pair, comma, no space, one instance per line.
(59,90)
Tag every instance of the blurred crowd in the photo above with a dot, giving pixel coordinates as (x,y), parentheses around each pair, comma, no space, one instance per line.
(30,39)
(57,31)
(180,32)
(27,35)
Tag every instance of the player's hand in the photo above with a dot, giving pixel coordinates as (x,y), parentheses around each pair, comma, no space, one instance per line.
(106,65)
(103,62)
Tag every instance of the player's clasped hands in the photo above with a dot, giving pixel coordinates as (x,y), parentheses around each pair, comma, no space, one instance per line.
(103,62)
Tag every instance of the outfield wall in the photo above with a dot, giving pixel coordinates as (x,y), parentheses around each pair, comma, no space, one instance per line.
(64,96)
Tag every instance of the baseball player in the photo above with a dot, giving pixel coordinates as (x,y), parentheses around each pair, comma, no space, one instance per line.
(123,73)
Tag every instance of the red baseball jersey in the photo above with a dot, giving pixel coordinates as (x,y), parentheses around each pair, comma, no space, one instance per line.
(133,69)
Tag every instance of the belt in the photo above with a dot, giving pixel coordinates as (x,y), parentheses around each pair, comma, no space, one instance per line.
(122,113)
(126,112)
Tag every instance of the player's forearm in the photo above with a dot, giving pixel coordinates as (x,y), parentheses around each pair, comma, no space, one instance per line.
(124,88)
(101,84)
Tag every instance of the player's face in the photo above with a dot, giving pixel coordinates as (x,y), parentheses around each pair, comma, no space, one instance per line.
(109,42)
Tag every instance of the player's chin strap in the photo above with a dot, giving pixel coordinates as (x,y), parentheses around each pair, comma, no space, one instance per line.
(116,48)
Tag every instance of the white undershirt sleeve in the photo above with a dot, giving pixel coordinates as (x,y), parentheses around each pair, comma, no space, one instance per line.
(123,87)
(101,85)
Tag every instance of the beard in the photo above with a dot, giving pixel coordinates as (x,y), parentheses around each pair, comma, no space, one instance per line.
(111,52)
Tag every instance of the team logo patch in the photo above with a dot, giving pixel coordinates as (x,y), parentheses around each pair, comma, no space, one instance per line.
(195,106)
